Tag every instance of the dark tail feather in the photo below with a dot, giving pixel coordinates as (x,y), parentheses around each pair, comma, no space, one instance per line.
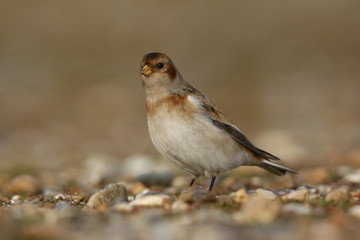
(275,168)
(267,155)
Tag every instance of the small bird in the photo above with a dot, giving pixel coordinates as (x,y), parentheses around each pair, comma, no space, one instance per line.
(189,131)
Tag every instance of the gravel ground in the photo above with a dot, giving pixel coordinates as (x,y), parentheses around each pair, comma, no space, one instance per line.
(76,160)
(317,203)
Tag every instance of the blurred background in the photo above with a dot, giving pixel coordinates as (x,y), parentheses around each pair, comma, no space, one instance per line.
(285,72)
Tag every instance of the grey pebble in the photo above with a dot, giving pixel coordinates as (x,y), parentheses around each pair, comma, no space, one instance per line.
(160,179)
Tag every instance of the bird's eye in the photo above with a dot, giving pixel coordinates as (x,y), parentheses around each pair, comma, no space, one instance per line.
(160,65)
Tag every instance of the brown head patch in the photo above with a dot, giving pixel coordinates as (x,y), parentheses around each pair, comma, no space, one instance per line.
(171,71)
(150,58)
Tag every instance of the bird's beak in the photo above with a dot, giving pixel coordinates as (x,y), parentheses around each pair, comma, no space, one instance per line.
(146,70)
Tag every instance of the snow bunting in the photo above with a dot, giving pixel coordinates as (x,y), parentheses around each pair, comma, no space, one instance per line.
(188,129)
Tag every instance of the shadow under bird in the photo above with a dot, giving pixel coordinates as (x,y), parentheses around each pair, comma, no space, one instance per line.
(189,131)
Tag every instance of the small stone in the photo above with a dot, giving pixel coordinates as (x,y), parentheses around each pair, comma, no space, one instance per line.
(258,210)
(16,199)
(109,196)
(25,184)
(356,195)
(147,192)
(180,206)
(341,195)
(299,195)
(158,200)
(265,193)
(297,208)
(158,179)
(226,201)
(312,190)
(123,207)
(197,194)
(59,196)
(240,196)
(137,188)
(355,211)
(281,192)
(353,177)
(318,175)
(62,205)
(324,189)
(230,184)
(314,196)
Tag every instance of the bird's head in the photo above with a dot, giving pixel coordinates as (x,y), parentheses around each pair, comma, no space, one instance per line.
(157,71)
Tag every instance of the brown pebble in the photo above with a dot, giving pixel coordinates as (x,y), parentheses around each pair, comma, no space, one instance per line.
(341,195)
(299,195)
(109,196)
(318,175)
(240,196)
(258,209)
(25,184)
(197,194)
(155,200)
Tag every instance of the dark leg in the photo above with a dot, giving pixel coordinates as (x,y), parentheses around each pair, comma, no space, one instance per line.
(192,182)
(212,183)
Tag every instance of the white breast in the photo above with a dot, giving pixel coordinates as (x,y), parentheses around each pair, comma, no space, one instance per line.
(192,143)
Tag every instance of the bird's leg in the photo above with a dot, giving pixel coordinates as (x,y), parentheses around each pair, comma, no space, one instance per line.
(212,183)
(192,182)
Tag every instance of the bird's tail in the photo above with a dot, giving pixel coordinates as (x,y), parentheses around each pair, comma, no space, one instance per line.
(275,168)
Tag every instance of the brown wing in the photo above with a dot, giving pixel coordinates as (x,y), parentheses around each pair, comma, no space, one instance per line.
(221,122)
(243,141)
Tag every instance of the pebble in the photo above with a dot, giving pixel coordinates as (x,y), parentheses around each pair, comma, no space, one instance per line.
(137,188)
(281,192)
(240,196)
(62,205)
(297,208)
(158,200)
(265,193)
(299,195)
(312,190)
(226,201)
(109,196)
(356,195)
(25,184)
(258,210)
(230,183)
(158,179)
(123,207)
(353,177)
(355,211)
(98,167)
(180,206)
(60,196)
(318,175)
(16,199)
(341,195)
(314,196)
(197,194)
(147,192)
(324,189)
